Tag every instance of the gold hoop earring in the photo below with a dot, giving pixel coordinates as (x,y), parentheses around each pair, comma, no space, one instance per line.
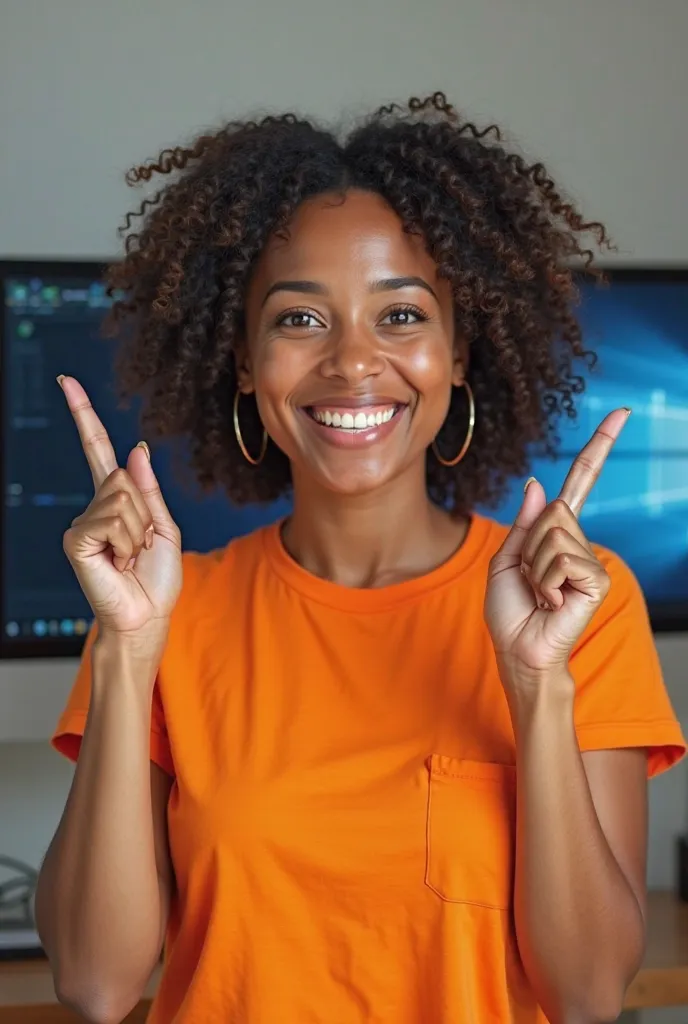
(469,432)
(240,440)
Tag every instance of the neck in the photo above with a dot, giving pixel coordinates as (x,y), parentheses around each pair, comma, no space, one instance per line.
(375,539)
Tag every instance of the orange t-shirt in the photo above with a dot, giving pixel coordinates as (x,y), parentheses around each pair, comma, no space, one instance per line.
(342,815)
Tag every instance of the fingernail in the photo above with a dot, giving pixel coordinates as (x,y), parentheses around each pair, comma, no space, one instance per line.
(529,481)
(148,538)
(525,568)
(60,379)
(142,444)
(627,410)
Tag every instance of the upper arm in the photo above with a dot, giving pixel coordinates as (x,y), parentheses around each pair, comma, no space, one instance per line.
(618,786)
(161,786)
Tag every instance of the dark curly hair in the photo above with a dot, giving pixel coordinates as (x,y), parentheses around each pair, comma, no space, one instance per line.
(497,228)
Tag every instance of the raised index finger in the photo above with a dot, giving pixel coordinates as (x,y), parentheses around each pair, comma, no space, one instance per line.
(588,464)
(97,446)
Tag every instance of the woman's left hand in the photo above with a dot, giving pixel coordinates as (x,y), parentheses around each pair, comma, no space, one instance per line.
(545,583)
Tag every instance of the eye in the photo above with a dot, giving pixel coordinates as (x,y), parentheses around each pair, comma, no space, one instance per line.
(298,318)
(404,316)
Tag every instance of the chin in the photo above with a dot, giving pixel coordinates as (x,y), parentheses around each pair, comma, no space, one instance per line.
(353,481)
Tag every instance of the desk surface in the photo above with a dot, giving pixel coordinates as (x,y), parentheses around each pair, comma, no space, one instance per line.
(662,980)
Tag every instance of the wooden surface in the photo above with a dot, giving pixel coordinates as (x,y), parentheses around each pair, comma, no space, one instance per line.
(27,996)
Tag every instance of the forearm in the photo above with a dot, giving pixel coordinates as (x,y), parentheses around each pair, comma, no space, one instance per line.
(579,925)
(98,902)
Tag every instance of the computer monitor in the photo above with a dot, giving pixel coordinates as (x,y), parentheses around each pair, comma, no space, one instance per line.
(51,323)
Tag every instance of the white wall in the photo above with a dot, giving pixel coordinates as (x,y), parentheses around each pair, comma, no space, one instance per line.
(597,88)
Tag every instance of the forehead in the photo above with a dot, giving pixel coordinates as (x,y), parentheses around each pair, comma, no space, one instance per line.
(355,233)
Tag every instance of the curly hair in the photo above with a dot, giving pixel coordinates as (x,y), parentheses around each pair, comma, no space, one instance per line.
(497,228)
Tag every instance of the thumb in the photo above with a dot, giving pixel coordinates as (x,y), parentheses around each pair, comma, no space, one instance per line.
(141,472)
(533,505)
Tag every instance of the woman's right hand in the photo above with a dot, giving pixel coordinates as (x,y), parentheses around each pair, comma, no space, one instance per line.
(125,548)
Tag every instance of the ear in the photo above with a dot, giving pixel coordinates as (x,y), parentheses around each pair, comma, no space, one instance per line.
(459,362)
(244,370)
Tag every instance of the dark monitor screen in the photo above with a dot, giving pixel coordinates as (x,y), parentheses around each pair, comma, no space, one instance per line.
(51,324)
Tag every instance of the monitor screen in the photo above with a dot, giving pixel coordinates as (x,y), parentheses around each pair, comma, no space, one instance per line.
(51,324)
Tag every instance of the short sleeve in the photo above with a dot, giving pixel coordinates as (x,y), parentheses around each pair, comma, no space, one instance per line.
(70,727)
(621,699)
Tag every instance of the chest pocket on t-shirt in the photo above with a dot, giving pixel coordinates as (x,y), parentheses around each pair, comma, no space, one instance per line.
(471,816)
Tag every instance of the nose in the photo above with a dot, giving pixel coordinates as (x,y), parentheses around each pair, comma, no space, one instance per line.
(353,355)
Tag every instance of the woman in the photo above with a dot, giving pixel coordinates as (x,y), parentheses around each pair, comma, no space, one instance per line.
(398,753)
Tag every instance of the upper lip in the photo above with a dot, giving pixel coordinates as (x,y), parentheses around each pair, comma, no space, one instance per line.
(352,401)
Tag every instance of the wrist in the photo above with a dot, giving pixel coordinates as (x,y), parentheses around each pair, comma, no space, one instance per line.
(121,657)
(539,696)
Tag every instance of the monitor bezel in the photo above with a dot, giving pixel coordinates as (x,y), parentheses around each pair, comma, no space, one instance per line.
(664,617)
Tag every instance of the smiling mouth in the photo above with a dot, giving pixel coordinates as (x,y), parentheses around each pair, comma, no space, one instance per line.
(354,421)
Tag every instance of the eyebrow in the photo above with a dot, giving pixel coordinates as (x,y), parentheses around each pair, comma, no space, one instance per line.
(393,284)
(387,284)
(302,287)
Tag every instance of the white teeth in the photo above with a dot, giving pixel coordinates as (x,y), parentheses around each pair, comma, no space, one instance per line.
(351,421)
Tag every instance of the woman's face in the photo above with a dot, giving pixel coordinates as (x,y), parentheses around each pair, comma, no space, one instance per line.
(350,344)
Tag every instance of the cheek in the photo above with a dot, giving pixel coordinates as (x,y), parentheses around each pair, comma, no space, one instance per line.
(274,366)
(429,358)
(278,369)
(428,368)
